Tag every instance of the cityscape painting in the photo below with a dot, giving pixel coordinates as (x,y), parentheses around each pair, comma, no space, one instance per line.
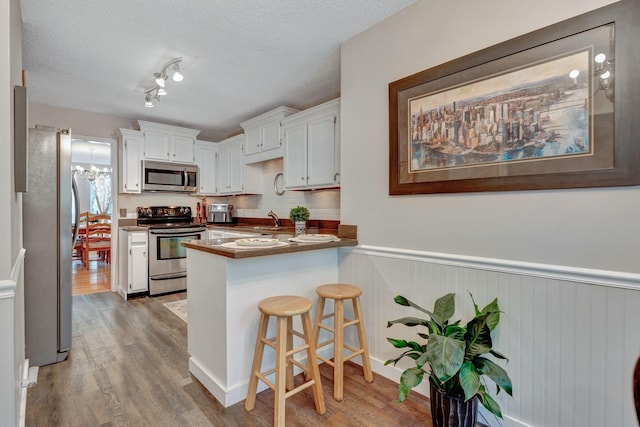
(536,112)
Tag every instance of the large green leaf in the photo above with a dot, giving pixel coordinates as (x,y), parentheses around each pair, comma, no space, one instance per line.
(399,299)
(488,402)
(492,309)
(469,380)
(409,321)
(443,309)
(445,355)
(405,344)
(478,337)
(495,372)
(408,380)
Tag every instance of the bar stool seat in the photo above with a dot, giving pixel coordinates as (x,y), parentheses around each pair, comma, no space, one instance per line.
(284,308)
(340,292)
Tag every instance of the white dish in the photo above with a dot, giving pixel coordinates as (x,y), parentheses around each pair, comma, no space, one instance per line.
(234,245)
(256,241)
(314,238)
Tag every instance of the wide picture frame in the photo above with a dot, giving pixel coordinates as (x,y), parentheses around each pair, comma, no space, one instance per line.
(555,108)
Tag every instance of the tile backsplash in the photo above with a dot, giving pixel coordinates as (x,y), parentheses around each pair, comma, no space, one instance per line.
(323,204)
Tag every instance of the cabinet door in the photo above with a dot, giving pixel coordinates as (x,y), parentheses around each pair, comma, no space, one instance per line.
(252,139)
(295,155)
(130,173)
(223,170)
(138,279)
(156,145)
(235,167)
(205,155)
(182,149)
(270,133)
(321,151)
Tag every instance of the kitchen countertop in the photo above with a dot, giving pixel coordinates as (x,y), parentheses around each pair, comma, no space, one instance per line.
(214,246)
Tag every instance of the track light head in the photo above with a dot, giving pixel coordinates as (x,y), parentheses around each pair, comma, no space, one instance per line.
(148,102)
(177,75)
(161,78)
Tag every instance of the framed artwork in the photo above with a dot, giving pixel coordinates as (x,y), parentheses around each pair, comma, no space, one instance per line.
(552,109)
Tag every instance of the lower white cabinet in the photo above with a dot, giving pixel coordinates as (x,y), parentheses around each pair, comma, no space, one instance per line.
(133,262)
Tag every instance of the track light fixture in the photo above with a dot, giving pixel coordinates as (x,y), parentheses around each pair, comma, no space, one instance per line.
(161,78)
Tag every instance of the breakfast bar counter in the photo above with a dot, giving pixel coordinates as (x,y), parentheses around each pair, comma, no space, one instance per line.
(216,247)
(224,287)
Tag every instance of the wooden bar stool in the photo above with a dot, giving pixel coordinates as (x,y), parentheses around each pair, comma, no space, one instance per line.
(339,293)
(284,308)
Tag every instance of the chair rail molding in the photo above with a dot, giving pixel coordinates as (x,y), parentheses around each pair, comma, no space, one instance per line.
(617,279)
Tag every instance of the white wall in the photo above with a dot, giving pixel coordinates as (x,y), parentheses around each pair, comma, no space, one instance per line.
(12,311)
(593,228)
(563,263)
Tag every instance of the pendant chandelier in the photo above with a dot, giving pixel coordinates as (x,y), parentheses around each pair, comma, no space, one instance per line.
(93,172)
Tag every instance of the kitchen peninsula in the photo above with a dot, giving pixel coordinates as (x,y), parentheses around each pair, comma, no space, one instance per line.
(224,287)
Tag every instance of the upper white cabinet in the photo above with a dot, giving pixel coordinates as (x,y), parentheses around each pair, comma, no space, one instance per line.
(129,160)
(312,147)
(168,143)
(206,154)
(234,177)
(263,136)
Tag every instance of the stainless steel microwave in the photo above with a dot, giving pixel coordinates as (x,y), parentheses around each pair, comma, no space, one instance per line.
(164,176)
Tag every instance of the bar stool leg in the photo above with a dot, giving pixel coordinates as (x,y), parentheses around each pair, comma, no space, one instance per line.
(312,363)
(281,372)
(319,314)
(257,363)
(362,338)
(290,383)
(338,349)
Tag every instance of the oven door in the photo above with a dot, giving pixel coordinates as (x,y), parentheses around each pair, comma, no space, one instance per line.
(166,254)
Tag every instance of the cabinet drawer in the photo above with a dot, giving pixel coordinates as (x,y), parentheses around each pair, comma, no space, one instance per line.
(138,237)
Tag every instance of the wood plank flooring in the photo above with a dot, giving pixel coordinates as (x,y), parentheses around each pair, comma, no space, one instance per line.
(95,278)
(128,366)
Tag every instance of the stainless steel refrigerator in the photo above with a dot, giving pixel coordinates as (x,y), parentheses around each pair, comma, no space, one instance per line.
(48,239)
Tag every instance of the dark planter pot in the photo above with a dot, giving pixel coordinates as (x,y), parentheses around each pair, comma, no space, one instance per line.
(448,411)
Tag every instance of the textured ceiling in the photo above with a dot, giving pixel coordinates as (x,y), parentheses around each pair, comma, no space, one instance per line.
(241,57)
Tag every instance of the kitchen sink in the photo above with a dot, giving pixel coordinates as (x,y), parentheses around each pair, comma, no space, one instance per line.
(263,227)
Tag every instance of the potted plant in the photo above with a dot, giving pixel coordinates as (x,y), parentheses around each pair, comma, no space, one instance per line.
(299,215)
(453,356)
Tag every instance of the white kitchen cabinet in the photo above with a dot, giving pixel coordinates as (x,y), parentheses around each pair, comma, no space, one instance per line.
(263,138)
(129,160)
(206,154)
(133,262)
(168,143)
(234,177)
(312,147)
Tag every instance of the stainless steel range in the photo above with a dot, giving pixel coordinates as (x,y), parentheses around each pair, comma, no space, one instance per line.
(168,227)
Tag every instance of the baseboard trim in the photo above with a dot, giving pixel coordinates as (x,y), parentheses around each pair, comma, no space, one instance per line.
(617,279)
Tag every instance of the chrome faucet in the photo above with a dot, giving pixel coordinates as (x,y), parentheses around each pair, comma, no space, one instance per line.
(273,215)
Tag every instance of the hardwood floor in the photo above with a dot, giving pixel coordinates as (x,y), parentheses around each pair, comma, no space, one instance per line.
(95,278)
(128,366)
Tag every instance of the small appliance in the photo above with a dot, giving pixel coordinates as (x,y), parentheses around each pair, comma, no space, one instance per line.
(164,176)
(220,213)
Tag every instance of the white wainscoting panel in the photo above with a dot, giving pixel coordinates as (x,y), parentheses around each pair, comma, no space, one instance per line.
(571,335)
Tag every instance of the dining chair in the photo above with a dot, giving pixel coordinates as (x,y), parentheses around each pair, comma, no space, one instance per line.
(97,238)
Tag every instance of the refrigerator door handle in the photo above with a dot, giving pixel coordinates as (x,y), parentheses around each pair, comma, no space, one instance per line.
(76,199)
